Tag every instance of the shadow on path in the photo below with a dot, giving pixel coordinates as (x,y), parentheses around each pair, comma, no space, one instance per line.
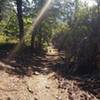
(27,64)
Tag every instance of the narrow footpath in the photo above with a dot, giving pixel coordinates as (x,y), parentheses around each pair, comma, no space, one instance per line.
(42,86)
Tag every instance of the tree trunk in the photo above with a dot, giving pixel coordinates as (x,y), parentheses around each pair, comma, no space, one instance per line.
(98,6)
(20,19)
(0,15)
(32,41)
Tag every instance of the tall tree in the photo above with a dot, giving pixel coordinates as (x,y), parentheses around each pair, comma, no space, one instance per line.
(20,19)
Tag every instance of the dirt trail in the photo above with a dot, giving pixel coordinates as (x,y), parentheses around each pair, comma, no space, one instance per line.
(41,86)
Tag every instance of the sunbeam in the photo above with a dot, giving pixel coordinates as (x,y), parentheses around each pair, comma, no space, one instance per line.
(35,22)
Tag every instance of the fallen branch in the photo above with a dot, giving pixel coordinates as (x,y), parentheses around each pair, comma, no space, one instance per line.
(5,66)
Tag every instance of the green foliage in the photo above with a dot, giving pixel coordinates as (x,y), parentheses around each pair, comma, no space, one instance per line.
(68,21)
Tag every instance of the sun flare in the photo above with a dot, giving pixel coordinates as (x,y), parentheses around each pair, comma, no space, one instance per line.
(35,22)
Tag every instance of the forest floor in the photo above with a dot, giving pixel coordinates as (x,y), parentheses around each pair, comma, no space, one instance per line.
(44,81)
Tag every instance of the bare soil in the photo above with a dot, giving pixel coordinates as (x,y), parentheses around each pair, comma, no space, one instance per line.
(43,82)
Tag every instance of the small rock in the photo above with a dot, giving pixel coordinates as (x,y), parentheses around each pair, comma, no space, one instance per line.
(36,73)
(13,61)
(48,87)
(30,90)
(58,98)
(35,98)
(29,72)
(8,98)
